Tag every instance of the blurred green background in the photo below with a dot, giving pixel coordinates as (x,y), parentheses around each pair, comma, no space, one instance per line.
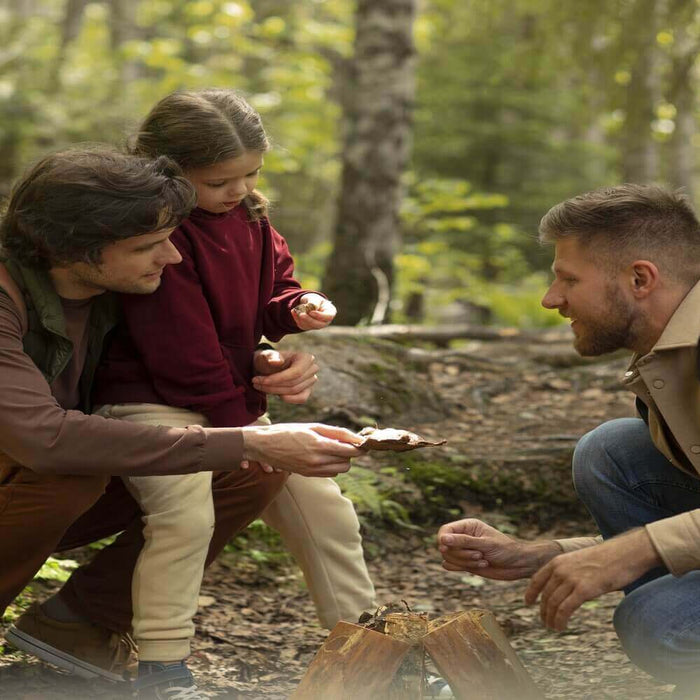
(517,104)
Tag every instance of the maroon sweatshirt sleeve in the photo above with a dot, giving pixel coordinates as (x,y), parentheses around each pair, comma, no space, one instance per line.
(177,340)
(39,434)
(278,319)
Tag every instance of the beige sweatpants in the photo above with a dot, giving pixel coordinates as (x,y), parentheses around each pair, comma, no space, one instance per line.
(317,523)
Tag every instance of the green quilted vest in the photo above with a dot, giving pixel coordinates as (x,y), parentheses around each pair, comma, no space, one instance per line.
(45,340)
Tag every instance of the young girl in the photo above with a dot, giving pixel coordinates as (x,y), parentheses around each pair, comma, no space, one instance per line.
(188,357)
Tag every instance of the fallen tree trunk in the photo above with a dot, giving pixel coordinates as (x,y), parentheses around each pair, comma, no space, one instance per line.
(442,334)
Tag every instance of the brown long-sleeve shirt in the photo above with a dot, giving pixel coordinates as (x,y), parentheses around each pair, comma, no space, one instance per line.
(38,433)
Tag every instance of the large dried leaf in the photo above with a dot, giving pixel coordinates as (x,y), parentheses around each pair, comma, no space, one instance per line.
(393,439)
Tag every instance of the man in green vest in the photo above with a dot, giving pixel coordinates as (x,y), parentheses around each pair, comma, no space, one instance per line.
(81,224)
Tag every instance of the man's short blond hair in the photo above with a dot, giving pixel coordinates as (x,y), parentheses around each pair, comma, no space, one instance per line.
(631,222)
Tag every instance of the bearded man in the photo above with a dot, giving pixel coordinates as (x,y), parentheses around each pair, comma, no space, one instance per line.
(626,274)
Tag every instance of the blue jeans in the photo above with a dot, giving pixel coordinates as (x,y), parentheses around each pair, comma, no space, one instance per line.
(625,482)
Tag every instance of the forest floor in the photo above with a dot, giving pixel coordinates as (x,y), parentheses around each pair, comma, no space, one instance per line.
(507,409)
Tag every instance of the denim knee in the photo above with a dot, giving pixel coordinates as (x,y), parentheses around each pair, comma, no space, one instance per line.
(589,456)
(594,456)
(659,631)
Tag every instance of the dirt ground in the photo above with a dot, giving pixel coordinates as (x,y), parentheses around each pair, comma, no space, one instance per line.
(257,633)
(516,408)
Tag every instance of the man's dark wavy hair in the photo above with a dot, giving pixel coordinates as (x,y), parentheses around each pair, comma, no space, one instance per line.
(73,203)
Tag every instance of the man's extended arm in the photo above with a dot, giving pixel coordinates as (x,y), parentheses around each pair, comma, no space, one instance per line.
(563,581)
(37,433)
(473,545)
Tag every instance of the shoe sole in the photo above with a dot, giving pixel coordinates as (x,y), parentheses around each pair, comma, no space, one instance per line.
(59,658)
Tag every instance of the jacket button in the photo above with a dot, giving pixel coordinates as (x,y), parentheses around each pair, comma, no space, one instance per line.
(695,449)
(659,383)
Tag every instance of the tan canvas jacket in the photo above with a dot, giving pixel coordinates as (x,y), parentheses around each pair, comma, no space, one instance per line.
(666,381)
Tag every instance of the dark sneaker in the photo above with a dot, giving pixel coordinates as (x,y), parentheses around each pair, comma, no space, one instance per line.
(82,648)
(171,682)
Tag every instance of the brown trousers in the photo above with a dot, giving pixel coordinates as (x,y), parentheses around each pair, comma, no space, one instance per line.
(45,513)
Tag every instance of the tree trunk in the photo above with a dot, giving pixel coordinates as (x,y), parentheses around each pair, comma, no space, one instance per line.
(682,95)
(123,28)
(70,28)
(359,273)
(639,151)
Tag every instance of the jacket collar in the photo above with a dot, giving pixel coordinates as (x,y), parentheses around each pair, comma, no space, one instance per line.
(683,328)
(47,303)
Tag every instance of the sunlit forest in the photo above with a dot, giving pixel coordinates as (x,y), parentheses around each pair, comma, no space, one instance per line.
(416,142)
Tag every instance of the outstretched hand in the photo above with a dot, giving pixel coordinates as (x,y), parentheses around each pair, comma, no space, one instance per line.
(571,579)
(473,545)
(289,375)
(309,449)
(320,317)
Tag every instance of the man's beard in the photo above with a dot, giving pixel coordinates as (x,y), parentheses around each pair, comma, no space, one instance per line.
(616,332)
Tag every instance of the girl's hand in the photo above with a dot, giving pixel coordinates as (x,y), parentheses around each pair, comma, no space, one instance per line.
(319,318)
(290,375)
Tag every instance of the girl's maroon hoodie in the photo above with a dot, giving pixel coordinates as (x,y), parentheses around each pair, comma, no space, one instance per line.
(190,344)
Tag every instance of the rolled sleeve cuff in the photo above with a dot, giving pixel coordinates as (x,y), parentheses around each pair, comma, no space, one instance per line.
(677,540)
(223,449)
(571,544)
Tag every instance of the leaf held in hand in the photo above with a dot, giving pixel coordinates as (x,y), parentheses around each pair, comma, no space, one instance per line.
(393,439)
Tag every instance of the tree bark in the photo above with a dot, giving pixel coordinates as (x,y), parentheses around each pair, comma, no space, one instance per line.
(123,28)
(681,94)
(376,151)
(435,334)
(474,656)
(70,28)
(639,151)
(353,664)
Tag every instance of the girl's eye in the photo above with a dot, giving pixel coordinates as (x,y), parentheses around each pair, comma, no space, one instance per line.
(216,184)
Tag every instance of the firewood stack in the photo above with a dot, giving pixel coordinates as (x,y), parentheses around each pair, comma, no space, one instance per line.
(384,658)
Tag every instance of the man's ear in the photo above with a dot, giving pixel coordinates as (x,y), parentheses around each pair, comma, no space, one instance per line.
(644,278)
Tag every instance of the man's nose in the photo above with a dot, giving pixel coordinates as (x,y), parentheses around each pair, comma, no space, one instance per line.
(552,299)
(169,254)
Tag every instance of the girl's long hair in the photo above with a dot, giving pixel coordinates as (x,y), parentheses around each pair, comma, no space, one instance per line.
(198,128)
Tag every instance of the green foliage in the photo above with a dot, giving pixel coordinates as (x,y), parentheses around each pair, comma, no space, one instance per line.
(309,266)
(101,544)
(53,569)
(519,304)
(520,104)
(261,545)
(457,251)
(440,485)
(56,570)
(366,490)
(18,605)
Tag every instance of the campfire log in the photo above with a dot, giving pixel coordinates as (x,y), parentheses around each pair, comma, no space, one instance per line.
(387,662)
(354,663)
